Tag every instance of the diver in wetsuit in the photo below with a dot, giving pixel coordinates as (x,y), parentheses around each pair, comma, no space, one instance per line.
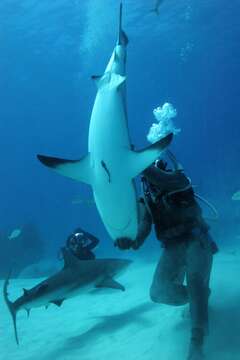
(187,246)
(81,244)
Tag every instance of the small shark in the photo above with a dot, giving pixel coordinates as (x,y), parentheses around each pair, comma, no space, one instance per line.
(111,165)
(76,277)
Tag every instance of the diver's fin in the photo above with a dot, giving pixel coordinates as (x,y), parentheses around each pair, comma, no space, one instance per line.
(140,160)
(122,37)
(75,169)
(110,283)
(57,302)
(68,258)
(11,307)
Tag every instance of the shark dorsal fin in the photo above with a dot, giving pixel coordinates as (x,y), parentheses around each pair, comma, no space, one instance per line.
(25,292)
(68,258)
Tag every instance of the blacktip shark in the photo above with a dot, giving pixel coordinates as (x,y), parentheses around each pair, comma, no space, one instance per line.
(111,164)
(76,277)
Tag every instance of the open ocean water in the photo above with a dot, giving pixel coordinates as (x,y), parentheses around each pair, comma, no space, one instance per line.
(189,56)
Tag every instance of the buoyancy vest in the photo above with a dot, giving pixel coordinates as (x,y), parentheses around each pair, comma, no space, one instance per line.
(175,215)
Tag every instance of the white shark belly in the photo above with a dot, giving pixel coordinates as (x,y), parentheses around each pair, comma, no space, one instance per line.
(116,203)
(109,146)
(108,127)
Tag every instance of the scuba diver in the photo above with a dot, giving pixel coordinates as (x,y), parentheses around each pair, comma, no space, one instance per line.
(81,244)
(188,248)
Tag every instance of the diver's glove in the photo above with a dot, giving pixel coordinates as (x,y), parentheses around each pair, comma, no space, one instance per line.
(125,243)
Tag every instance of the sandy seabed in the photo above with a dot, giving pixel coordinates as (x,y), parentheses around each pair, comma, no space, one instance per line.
(125,325)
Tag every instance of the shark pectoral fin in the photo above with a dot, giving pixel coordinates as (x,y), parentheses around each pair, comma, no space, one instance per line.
(79,170)
(97,80)
(140,160)
(112,79)
(110,283)
(117,80)
(57,302)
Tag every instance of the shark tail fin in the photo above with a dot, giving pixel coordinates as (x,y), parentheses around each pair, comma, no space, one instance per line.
(122,37)
(11,307)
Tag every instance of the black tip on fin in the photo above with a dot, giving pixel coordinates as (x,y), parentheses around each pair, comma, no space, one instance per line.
(53,162)
(163,143)
(96,77)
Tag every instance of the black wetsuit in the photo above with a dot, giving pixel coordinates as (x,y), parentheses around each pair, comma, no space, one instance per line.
(188,248)
(83,248)
(175,211)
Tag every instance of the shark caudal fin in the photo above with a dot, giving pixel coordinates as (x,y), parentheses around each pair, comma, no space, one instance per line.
(11,307)
(122,37)
(140,160)
(78,170)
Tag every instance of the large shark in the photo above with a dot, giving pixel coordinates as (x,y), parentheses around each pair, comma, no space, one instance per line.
(76,277)
(111,164)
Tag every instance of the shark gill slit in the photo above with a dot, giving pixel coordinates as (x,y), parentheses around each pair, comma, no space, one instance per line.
(106,169)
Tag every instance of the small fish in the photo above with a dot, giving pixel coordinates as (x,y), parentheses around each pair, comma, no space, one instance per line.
(236,196)
(157,5)
(15,234)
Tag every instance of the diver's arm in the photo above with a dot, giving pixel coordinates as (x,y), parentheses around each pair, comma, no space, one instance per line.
(93,241)
(145,226)
(172,180)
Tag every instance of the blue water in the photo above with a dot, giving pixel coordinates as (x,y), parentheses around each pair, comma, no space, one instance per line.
(189,55)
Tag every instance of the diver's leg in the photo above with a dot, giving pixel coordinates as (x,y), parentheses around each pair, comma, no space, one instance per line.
(167,286)
(199,264)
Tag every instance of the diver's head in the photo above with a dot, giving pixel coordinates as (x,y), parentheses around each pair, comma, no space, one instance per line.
(161,164)
(77,239)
